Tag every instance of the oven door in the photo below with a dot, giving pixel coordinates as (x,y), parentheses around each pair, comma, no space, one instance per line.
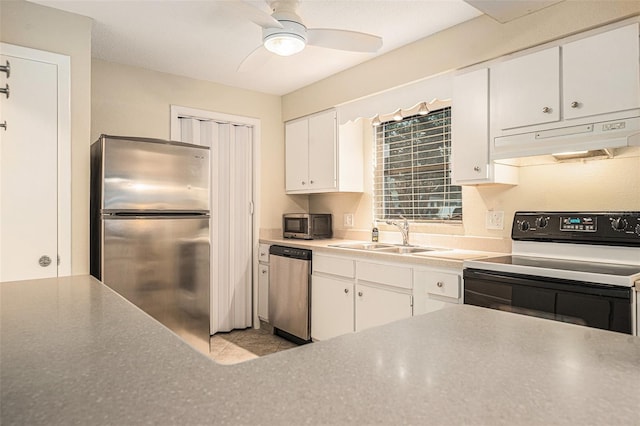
(593,305)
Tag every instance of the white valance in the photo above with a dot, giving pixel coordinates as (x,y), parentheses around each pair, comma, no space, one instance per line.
(436,91)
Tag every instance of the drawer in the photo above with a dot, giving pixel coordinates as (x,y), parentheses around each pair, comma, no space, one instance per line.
(334,266)
(396,276)
(443,284)
(263,253)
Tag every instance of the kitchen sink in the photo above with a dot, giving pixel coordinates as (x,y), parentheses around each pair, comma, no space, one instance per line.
(384,248)
(404,249)
(363,246)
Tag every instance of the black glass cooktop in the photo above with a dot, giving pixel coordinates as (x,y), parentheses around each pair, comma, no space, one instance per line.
(564,265)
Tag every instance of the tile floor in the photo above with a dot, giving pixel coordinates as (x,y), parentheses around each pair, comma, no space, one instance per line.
(243,345)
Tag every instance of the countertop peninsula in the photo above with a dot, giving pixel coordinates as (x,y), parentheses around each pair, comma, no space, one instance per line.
(74,352)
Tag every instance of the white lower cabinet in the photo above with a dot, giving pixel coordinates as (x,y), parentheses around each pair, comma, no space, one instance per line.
(376,306)
(263,292)
(332,310)
(350,295)
(433,289)
(263,282)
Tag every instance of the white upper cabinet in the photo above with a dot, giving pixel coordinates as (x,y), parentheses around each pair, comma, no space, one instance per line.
(594,75)
(321,156)
(470,133)
(527,89)
(600,73)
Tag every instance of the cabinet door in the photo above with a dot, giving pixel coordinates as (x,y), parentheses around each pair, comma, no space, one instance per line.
(470,126)
(322,151)
(600,73)
(331,307)
(376,306)
(263,292)
(527,89)
(297,155)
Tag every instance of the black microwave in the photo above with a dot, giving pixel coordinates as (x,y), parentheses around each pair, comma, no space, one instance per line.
(307,226)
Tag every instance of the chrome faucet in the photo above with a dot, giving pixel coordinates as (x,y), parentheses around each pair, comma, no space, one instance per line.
(403,227)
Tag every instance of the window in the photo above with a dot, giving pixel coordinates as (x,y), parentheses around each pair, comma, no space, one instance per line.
(412,169)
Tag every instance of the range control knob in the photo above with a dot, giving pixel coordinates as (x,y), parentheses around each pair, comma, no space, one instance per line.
(542,222)
(618,224)
(524,226)
(638,230)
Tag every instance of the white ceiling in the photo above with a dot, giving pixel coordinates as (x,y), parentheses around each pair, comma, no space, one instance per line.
(207,40)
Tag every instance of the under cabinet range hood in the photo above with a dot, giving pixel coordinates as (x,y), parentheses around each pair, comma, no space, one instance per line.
(597,135)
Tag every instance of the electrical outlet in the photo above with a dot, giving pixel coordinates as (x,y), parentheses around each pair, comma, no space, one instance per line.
(348,220)
(495,219)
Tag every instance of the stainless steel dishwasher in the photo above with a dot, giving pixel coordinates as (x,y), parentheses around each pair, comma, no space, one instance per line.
(289,292)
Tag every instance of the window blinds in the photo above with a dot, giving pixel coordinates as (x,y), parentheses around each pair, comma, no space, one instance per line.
(412,171)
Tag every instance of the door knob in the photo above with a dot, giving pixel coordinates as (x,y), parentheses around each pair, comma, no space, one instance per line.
(360,293)
(44,261)
(346,291)
(546,110)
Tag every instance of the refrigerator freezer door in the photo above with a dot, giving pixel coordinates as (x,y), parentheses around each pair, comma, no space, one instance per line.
(154,176)
(161,264)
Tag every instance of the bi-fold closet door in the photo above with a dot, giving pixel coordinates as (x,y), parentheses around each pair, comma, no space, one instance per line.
(231,218)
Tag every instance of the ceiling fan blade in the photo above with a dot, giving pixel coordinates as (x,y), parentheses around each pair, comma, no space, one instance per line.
(255,59)
(344,40)
(249,11)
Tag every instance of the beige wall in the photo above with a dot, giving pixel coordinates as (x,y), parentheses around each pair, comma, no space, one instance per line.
(130,101)
(546,187)
(38,27)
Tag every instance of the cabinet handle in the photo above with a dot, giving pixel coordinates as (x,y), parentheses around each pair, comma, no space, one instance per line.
(360,293)
(546,110)
(346,291)
(476,169)
(264,271)
(440,284)
(311,182)
(6,68)
(575,104)
(263,254)
(304,183)
(5,90)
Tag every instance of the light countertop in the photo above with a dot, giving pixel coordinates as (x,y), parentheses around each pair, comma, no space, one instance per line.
(74,352)
(440,257)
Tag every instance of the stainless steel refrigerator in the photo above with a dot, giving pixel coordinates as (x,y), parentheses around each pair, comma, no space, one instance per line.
(150,229)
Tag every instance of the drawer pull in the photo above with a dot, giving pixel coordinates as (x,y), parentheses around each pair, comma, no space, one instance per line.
(440,284)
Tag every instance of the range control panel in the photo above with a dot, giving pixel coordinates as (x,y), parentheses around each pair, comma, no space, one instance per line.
(602,228)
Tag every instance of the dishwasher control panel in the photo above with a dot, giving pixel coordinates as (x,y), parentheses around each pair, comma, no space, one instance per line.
(293,252)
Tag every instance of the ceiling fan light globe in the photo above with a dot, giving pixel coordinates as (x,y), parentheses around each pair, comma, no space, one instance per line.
(284,44)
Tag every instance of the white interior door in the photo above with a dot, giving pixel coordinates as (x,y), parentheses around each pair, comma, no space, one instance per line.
(29,161)
(231,217)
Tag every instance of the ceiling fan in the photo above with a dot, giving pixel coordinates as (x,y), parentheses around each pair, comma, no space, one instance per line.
(284,33)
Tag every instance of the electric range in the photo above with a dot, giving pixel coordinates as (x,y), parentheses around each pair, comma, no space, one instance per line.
(579,267)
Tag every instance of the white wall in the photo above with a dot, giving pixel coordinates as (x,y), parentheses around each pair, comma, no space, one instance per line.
(38,27)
